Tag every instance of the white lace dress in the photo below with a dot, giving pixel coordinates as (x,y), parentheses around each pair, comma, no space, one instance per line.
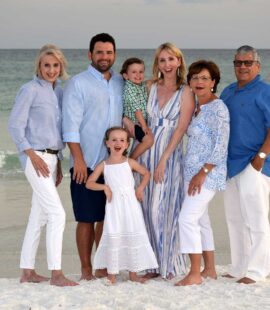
(124,244)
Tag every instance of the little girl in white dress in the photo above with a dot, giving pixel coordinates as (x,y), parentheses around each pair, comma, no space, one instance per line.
(124,244)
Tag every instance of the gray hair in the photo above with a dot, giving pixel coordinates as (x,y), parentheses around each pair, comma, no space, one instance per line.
(249,49)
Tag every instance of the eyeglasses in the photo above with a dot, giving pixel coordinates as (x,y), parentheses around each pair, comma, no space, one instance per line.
(202,78)
(247,63)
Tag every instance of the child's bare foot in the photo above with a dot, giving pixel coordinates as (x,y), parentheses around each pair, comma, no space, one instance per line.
(135,278)
(29,275)
(59,279)
(101,273)
(207,273)
(111,279)
(190,279)
(87,274)
(227,275)
(150,275)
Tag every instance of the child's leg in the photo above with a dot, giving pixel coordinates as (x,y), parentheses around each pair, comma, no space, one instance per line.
(129,125)
(135,278)
(194,275)
(147,142)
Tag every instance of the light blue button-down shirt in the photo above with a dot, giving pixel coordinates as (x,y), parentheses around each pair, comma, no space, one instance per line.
(91,105)
(208,136)
(35,120)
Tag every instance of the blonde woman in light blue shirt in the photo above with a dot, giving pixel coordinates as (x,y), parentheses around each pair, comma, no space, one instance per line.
(35,127)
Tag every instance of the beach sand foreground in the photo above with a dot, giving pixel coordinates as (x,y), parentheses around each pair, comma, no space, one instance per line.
(15,197)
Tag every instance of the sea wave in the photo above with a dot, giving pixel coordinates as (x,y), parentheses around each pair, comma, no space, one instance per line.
(10,165)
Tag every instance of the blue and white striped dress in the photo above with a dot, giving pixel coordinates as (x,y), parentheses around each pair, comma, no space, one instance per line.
(162,202)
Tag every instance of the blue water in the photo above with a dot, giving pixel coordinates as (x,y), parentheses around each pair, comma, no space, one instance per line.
(17,67)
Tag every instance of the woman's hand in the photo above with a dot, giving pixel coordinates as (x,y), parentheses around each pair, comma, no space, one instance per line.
(139,194)
(108,193)
(38,163)
(160,171)
(59,174)
(196,183)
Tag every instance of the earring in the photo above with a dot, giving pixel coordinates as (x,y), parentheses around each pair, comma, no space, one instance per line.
(212,89)
(178,72)
(191,90)
(159,74)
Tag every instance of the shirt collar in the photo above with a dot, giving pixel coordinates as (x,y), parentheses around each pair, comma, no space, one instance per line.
(45,83)
(250,84)
(133,84)
(204,106)
(98,75)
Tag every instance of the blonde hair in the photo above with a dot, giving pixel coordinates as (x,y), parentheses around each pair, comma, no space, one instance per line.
(175,51)
(53,50)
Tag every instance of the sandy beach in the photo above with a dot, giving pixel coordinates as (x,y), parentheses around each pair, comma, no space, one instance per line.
(15,195)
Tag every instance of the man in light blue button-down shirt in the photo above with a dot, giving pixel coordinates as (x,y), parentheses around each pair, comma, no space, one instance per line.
(92,103)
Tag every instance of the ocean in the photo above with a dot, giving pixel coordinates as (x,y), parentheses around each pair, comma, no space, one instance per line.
(16,68)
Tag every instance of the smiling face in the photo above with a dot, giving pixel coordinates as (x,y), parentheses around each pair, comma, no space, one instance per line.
(244,73)
(50,68)
(117,142)
(202,83)
(135,73)
(103,56)
(168,63)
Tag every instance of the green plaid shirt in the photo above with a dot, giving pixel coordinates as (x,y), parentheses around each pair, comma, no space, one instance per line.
(134,99)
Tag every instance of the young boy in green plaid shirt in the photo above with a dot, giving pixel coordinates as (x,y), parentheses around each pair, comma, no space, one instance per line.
(135,101)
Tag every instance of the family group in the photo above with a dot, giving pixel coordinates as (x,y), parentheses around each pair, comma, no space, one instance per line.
(145,205)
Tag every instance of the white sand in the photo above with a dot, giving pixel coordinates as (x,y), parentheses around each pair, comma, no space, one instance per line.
(15,197)
(154,295)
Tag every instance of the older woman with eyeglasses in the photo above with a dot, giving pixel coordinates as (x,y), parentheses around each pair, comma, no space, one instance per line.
(204,170)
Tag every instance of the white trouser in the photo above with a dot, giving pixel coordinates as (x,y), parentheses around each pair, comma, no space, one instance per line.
(46,210)
(195,230)
(246,208)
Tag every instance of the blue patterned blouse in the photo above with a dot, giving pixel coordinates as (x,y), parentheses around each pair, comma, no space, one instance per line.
(208,136)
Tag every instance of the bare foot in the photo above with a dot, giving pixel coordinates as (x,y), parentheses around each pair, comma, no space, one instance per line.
(111,279)
(60,280)
(29,275)
(150,275)
(87,274)
(246,280)
(135,278)
(207,273)
(170,276)
(227,275)
(190,279)
(101,273)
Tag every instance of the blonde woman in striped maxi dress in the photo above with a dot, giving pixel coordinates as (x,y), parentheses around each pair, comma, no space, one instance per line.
(170,107)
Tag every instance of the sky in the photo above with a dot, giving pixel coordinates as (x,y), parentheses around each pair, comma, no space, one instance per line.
(135,23)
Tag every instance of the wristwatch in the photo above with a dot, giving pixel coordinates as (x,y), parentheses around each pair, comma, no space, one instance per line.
(262,155)
(206,170)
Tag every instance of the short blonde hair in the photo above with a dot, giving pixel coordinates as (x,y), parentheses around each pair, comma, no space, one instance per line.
(175,51)
(53,50)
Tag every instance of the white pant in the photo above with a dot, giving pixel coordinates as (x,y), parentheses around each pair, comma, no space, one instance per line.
(195,230)
(46,210)
(246,209)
